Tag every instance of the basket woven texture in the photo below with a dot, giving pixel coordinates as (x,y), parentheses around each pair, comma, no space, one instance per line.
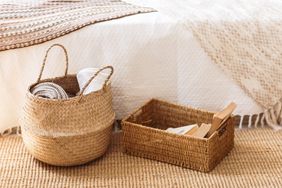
(254,162)
(70,131)
(144,136)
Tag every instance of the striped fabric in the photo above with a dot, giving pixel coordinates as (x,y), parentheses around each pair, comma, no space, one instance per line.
(29,22)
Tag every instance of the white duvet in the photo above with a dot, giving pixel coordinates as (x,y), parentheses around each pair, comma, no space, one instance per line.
(153,55)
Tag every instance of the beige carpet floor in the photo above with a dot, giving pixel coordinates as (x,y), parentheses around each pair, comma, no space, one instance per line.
(256,161)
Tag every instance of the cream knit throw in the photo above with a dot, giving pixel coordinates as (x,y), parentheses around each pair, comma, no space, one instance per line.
(244,37)
(28,22)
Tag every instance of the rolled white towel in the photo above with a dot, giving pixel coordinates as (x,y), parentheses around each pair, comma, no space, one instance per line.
(49,90)
(84,75)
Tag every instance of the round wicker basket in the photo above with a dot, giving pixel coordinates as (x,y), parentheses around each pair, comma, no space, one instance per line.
(69,131)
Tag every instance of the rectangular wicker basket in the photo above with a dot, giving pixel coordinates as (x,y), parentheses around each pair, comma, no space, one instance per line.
(144,135)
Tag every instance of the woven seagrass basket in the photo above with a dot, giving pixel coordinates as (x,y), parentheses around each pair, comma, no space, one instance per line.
(69,131)
(144,135)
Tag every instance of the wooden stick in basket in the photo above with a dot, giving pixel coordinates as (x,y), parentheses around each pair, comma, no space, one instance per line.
(202,131)
(220,117)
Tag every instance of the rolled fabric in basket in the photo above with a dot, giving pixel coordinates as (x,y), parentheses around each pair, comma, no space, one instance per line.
(49,90)
(84,75)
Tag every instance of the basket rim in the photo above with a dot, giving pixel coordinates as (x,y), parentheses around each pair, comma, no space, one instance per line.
(188,137)
(126,120)
(164,102)
(71,99)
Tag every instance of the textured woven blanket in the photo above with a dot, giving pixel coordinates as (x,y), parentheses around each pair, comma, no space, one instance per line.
(49,90)
(255,161)
(245,39)
(28,22)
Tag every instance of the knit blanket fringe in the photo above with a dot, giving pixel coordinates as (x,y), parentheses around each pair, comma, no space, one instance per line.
(271,117)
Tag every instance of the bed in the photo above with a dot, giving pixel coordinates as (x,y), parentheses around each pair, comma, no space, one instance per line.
(153,55)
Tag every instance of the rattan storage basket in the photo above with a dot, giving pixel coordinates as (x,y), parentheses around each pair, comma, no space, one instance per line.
(69,131)
(144,136)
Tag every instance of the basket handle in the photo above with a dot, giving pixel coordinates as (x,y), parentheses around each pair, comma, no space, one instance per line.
(95,75)
(45,59)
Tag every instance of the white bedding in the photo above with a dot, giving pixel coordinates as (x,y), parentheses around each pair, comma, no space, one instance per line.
(153,54)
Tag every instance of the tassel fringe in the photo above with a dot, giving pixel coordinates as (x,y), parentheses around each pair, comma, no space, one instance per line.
(271,117)
(11,131)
